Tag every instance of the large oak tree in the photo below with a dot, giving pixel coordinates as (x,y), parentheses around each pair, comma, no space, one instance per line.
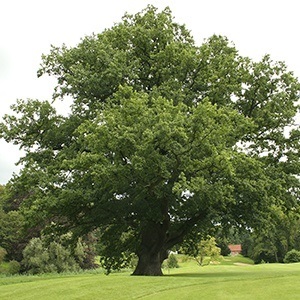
(164,138)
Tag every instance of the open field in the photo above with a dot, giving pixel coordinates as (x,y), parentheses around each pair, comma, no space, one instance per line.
(233,279)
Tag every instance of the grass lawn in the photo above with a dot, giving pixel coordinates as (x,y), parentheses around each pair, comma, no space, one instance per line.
(233,279)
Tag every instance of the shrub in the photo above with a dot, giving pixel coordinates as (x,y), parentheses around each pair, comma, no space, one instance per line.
(54,258)
(172,262)
(292,256)
(36,258)
(13,267)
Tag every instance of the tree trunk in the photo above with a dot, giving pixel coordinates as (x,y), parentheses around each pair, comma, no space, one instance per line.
(149,264)
(152,252)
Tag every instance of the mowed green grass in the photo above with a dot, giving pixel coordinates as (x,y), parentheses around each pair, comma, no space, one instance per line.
(226,281)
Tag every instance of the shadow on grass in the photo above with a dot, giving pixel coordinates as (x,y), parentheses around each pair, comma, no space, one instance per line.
(206,275)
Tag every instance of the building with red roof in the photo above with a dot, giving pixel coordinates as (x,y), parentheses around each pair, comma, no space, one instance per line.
(235,249)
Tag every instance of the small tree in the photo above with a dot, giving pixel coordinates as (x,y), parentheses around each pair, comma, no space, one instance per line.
(172,262)
(204,252)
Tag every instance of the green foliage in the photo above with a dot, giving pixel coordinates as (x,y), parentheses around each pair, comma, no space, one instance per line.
(164,139)
(292,256)
(39,258)
(13,267)
(85,251)
(12,234)
(278,235)
(205,252)
(224,248)
(116,249)
(79,252)
(3,253)
(133,261)
(172,262)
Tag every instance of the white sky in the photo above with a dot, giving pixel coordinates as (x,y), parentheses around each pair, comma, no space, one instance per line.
(28,27)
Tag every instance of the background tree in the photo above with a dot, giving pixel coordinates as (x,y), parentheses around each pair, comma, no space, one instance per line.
(164,139)
(229,236)
(280,235)
(13,236)
(2,254)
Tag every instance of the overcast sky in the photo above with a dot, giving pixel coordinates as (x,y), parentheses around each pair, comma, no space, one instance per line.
(29,27)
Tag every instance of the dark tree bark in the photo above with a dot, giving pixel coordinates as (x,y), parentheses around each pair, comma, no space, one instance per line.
(149,263)
(156,241)
(152,251)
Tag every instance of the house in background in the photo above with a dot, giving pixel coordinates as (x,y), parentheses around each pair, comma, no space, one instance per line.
(235,249)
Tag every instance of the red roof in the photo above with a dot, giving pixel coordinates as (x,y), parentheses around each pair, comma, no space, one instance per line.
(235,248)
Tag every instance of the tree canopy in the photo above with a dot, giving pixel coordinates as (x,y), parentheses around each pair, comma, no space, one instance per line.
(164,138)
